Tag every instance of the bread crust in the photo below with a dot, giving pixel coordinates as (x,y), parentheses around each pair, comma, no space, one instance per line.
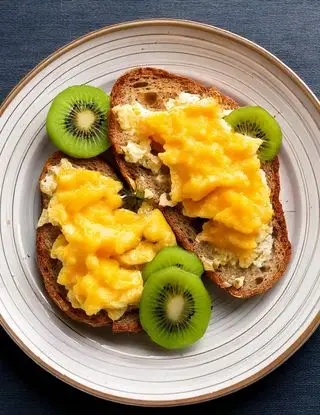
(49,268)
(131,87)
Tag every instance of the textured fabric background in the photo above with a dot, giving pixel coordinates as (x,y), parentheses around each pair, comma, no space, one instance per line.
(32,29)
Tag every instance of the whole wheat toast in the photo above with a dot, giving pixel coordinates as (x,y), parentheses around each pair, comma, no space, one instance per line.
(152,88)
(49,268)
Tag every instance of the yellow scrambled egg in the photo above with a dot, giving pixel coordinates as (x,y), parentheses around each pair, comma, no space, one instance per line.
(102,245)
(215,173)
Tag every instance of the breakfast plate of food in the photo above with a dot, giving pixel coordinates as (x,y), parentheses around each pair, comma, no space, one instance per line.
(160,213)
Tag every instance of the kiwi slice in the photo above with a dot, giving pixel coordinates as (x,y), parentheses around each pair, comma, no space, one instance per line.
(257,122)
(76,121)
(175,308)
(174,256)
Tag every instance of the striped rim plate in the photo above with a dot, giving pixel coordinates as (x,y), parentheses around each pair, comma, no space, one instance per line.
(245,339)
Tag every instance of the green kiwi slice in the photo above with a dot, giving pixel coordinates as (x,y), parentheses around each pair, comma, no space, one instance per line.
(175,308)
(257,122)
(76,121)
(173,256)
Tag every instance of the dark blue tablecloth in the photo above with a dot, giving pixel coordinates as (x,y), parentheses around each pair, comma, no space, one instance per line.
(32,29)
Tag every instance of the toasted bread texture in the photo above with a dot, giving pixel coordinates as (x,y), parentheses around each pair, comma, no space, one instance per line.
(49,268)
(152,88)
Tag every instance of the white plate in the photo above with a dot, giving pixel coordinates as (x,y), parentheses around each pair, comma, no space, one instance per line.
(245,339)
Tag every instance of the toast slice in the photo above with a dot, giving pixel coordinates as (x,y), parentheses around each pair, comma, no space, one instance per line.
(49,268)
(152,88)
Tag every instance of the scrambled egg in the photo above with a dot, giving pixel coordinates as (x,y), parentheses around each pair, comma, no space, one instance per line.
(215,174)
(138,150)
(102,246)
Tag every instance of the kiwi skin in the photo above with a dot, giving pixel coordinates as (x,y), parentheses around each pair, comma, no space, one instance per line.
(174,284)
(174,256)
(256,122)
(76,122)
